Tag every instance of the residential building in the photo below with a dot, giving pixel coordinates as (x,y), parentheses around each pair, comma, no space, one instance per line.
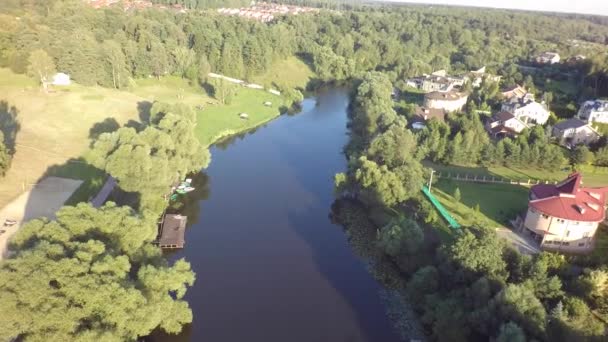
(594,111)
(450,101)
(548,58)
(423,114)
(564,216)
(504,124)
(575,131)
(527,110)
(514,91)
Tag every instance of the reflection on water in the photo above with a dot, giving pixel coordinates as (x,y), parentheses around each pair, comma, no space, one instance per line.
(270,264)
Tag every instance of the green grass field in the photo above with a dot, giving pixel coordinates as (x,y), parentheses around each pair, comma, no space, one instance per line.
(55,126)
(217,121)
(292,73)
(498,203)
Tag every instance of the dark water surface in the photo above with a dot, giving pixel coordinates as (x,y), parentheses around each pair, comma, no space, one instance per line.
(270,265)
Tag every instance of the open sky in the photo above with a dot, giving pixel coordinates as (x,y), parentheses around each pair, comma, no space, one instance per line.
(599,7)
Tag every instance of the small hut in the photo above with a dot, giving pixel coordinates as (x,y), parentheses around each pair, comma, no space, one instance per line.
(244,116)
(267,103)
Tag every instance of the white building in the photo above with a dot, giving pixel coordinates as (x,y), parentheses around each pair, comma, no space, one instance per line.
(450,101)
(61,79)
(527,110)
(504,124)
(594,111)
(574,131)
(564,216)
(548,58)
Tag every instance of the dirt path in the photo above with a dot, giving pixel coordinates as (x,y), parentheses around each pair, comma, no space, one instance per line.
(42,201)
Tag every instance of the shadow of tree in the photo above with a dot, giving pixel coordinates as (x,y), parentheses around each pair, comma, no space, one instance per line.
(108,125)
(9,125)
(143,107)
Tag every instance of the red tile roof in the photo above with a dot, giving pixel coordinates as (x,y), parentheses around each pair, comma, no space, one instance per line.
(568,200)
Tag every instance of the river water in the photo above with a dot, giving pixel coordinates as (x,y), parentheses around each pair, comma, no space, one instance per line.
(270,265)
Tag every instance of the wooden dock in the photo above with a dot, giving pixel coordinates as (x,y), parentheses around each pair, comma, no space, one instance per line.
(172,229)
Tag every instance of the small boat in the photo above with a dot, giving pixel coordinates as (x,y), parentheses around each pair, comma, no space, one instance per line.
(185,189)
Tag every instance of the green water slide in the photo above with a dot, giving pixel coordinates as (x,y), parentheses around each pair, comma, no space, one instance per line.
(442,210)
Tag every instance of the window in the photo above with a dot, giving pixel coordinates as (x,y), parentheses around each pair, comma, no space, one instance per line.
(576,223)
(545,216)
(566,243)
(586,234)
(567,233)
(581,244)
(548,242)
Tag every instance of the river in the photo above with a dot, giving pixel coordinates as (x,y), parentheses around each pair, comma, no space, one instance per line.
(270,265)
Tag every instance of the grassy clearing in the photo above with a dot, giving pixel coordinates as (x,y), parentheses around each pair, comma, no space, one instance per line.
(291,72)
(171,89)
(498,203)
(218,121)
(591,176)
(55,126)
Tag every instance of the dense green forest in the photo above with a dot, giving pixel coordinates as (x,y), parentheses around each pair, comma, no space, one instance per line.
(472,288)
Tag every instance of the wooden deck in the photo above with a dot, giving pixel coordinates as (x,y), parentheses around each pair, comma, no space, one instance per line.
(172,229)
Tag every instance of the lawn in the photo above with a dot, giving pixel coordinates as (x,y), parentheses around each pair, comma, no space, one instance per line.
(591,176)
(171,89)
(291,72)
(216,121)
(55,127)
(498,203)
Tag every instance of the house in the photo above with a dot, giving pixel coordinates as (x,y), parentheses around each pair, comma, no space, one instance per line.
(564,216)
(422,115)
(594,111)
(527,110)
(514,91)
(61,79)
(503,124)
(575,131)
(548,58)
(437,81)
(450,101)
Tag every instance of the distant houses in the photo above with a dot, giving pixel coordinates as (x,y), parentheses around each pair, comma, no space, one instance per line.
(450,101)
(564,216)
(548,58)
(574,131)
(423,114)
(265,12)
(441,81)
(594,111)
(504,124)
(514,91)
(527,110)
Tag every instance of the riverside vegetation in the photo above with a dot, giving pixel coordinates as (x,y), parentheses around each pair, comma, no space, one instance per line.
(465,287)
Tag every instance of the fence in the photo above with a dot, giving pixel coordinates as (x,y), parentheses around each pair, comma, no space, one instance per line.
(474,178)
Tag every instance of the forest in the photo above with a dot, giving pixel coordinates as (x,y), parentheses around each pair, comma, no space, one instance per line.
(471,288)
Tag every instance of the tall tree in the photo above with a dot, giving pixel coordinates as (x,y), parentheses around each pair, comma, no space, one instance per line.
(41,66)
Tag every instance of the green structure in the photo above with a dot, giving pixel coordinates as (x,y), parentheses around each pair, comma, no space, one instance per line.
(442,210)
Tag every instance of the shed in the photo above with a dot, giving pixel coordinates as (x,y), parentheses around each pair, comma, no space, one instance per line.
(172,229)
(61,79)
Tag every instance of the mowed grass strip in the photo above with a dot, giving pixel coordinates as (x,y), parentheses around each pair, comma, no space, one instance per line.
(498,203)
(217,121)
(291,72)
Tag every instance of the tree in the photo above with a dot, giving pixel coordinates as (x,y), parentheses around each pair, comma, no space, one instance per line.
(400,236)
(183,58)
(379,184)
(41,66)
(117,61)
(582,155)
(517,303)
(479,253)
(511,332)
(457,194)
(223,90)
(97,278)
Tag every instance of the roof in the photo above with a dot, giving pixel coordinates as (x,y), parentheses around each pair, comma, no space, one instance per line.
(172,230)
(570,123)
(515,90)
(569,200)
(445,96)
(424,114)
(502,116)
